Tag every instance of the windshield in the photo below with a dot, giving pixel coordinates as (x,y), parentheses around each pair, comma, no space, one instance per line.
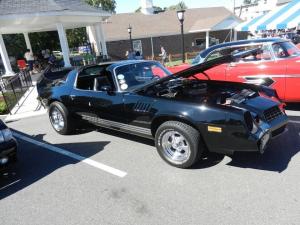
(138,74)
(285,49)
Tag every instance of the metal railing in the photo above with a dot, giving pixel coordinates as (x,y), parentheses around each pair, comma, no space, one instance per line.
(12,89)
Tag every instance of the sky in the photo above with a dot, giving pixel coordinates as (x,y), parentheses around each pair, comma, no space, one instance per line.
(125,6)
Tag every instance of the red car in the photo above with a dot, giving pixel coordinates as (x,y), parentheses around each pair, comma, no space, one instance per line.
(276,66)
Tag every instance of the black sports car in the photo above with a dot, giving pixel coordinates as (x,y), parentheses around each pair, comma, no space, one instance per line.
(184,115)
(8,146)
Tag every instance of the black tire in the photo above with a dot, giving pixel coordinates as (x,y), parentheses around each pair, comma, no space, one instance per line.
(68,127)
(192,139)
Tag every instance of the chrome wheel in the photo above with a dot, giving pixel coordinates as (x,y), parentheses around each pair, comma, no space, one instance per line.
(175,147)
(57,119)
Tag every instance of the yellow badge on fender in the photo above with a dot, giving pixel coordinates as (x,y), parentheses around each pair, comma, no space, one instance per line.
(214,129)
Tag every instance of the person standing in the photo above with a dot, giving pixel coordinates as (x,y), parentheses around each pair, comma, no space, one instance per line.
(163,55)
(29,59)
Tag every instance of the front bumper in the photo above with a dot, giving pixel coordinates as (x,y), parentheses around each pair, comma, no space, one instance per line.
(8,152)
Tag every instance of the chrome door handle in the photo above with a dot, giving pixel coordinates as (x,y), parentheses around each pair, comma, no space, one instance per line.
(232,65)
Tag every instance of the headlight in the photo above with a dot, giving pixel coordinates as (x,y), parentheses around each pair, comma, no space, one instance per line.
(250,123)
(5,135)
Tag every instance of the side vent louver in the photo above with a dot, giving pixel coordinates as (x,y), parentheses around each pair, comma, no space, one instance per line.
(142,107)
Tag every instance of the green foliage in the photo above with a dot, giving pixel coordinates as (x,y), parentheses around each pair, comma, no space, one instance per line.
(44,40)
(15,45)
(3,108)
(181,5)
(108,5)
(76,37)
(155,8)
(247,2)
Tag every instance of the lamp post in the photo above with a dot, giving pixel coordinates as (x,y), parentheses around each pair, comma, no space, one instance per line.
(129,29)
(180,15)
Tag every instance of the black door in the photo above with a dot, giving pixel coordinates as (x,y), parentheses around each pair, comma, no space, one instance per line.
(94,97)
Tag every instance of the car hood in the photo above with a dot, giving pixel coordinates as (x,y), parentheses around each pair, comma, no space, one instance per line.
(201,68)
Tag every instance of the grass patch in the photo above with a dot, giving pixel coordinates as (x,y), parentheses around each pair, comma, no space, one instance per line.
(10,99)
(3,107)
(177,63)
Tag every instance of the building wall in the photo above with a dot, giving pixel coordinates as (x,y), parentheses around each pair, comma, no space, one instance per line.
(172,44)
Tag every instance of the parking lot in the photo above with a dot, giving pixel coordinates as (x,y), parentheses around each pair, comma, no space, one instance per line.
(105,177)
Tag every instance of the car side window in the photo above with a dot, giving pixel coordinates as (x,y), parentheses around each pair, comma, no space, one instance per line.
(94,79)
(264,54)
(279,51)
(104,81)
(214,55)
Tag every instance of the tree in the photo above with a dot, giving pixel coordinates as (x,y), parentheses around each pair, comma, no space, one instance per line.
(155,9)
(181,5)
(76,37)
(108,5)
(247,2)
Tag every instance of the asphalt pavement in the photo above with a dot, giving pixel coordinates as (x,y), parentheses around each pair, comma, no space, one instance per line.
(105,177)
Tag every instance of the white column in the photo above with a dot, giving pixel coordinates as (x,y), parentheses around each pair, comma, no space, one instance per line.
(91,32)
(234,34)
(152,48)
(27,41)
(207,39)
(5,58)
(64,44)
(101,37)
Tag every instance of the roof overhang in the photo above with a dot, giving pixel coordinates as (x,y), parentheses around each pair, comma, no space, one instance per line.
(40,22)
(226,24)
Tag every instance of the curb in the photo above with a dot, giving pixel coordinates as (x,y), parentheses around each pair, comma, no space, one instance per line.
(11,118)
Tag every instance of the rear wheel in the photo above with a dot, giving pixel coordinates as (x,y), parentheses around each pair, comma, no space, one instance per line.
(60,118)
(178,144)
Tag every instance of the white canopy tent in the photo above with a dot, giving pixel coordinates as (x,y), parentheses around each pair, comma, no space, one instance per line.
(25,16)
(282,17)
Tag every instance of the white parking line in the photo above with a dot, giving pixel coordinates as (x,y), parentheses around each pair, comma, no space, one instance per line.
(88,161)
(294,121)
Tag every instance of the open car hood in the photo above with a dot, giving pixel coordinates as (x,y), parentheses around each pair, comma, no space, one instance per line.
(201,68)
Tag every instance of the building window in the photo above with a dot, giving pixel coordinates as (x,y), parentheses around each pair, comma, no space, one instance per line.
(200,42)
(137,46)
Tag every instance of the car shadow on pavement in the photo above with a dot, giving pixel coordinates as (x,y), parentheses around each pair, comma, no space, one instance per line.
(293,106)
(36,162)
(276,157)
(208,159)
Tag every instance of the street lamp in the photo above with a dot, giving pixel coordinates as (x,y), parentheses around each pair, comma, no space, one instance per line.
(180,15)
(129,29)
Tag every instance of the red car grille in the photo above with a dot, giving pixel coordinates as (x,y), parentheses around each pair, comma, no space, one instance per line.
(272,113)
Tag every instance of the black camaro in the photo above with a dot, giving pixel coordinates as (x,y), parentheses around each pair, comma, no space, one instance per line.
(8,146)
(184,115)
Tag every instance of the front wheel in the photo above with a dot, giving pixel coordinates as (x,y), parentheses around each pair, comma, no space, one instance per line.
(178,144)
(60,118)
